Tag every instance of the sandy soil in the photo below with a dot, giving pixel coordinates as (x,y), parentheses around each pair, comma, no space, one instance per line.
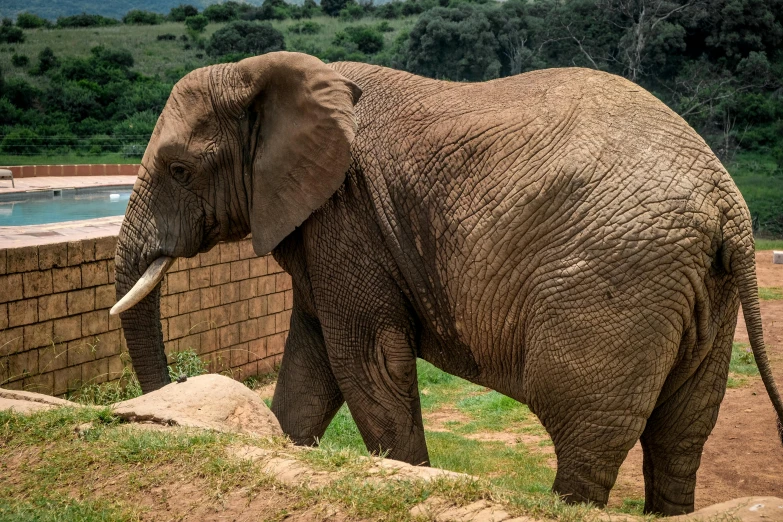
(743,456)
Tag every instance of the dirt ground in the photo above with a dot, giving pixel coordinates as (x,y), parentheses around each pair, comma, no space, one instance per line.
(743,456)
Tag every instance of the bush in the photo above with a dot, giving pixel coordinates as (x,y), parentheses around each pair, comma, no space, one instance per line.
(186,363)
(47,61)
(196,23)
(245,38)
(389,11)
(351,12)
(31,21)
(222,12)
(367,39)
(21,141)
(139,17)
(20,93)
(85,20)
(167,36)
(11,34)
(333,7)
(182,12)
(305,28)
(20,60)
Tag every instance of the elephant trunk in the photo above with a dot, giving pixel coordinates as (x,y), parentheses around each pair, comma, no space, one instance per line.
(141,322)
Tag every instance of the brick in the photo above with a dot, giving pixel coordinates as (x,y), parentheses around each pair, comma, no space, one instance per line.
(52,307)
(115,323)
(170,347)
(209,297)
(275,302)
(67,379)
(240,270)
(75,256)
(248,289)
(208,341)
(88,250)
(110,270)
(275,344)
(247,370)
(248,330)
(38,335)
(190,342)
(229,252)
(105,297)
(81,301)
(272,266)
(22,364)
(239,355)
(22,312)
(3,264)
(256,307)
(116,367)
(288,299)
(186,263)
(109,344)
(199,278)
(266,325)
(179,326)
(237,312)
(257,266)
(282,282)
(209,258)
(94,323)
(81,351)
(94,274)
(23,259)
(67,329)
(37,283)
(282,321)
(64,279)
(12,288)
(11,341)
(52,357)
(246,249)
(41,383)
(219,316)
(52,256)
(177,282)
(220,274)
(164,328)
(95,372)
(228,336)
(169,305)
(105,247)
(229,293)
(267,365)
(266,285)
(199,321)
(3,316)
(256,349)
(189,301)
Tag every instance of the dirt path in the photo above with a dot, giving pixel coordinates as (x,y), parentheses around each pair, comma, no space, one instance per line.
(743,455)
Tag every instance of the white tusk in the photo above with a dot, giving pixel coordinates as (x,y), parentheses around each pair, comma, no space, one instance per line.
(144,285)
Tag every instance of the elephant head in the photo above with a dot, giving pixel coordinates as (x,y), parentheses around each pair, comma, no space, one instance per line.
(253,146)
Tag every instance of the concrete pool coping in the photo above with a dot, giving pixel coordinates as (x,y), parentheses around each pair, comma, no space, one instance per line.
(30,235)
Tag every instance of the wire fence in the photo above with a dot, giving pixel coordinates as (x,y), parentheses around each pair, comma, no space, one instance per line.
(29,144)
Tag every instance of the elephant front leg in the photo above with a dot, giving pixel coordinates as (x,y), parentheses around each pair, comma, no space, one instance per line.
(306,395)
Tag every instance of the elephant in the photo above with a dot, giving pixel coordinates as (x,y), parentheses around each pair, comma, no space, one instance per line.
(559,236)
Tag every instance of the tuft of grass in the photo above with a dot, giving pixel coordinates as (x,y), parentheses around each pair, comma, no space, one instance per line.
(493,412)
(187,363)
(742,365)
(57,508)
(771,294)
(769,244)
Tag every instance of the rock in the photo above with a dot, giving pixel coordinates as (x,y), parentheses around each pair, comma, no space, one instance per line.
(208,401)
(777,257)
(29,402)
(746,509)
(23,406)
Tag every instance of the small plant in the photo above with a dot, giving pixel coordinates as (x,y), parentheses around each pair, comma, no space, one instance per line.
(167,36)
(186,363)
(20,60)
(126,387)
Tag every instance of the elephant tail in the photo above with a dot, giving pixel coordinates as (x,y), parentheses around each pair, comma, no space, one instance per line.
(744,270)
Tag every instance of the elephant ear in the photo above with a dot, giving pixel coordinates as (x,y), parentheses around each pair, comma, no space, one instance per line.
(304,126)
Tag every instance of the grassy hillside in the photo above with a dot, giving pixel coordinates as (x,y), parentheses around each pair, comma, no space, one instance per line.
(52,9)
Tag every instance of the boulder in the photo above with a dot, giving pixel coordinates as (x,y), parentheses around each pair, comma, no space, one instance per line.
(29,402)
(746,509)
(208,401)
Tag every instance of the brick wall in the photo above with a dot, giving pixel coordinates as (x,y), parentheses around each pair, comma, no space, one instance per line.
(56,334)
(97,169)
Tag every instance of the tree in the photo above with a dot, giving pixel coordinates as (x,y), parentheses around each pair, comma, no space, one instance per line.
(9,33)
(47,61)
(182,12)
(224,12)
(367,39)
(245,38)
(85,20)
(197,23)
(139,17)
(333,7)
(31,21)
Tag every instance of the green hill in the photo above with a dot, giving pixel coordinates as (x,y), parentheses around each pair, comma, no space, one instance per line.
(114,9)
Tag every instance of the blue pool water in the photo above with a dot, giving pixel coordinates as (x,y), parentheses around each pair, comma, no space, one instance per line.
(54,206)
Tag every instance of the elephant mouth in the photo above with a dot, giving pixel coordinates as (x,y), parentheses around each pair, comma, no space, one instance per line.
(146,283)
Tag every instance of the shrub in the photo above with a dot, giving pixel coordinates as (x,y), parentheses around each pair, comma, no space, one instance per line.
(367,39)
(20,93)
(182,12)
(85,20)
(11,34)
(333,7)
(305,28)
(224,12)
(20,60)
(389,11)
(186,363)
(31,21)
(245,38)
(197,23)
(167,36)
(47,60)
(384,27)
(351,12)
(21,141)
(139,17)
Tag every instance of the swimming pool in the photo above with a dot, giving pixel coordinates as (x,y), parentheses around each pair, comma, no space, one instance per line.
(57,205)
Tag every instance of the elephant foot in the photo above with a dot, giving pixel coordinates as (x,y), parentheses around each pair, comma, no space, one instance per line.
(574,488)
(662,507)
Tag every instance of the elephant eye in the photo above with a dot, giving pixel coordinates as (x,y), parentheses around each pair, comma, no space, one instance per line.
(179,171)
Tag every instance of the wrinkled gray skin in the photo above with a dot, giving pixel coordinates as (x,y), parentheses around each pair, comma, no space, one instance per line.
(560,236)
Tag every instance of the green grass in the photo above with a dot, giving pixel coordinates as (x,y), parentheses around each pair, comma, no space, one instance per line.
(771,294)
(742,365)
(761,188)
(769,244)
(45,508)
(68,159)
